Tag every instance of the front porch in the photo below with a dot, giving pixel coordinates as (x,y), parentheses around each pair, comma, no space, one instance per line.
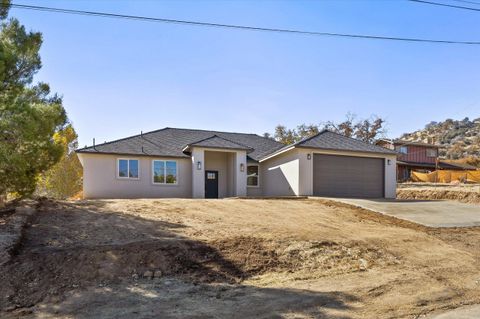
(218,173)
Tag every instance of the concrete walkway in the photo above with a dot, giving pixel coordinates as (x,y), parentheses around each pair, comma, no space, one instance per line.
(468,312)
(432,213)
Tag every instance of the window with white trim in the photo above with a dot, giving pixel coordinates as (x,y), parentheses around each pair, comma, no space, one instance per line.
(164,172)
(252,175)
(127,168)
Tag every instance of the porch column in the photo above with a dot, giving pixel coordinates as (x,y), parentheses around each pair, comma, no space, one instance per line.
(240,177)
(198,175)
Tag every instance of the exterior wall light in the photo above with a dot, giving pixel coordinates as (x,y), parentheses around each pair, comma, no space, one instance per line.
(309,156)
(199,165)
(242,167)
(389,162)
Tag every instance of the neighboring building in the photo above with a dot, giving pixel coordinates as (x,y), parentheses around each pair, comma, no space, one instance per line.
(188,163)
(412,156)
(417,156)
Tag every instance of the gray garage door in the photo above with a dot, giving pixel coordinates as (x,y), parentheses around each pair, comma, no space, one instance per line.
(348,176)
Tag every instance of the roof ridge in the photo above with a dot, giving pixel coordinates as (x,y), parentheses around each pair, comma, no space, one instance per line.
(178,128)
(356,139)
(203,139)
(123,139)
(203,130)
(310,137)
(225,139)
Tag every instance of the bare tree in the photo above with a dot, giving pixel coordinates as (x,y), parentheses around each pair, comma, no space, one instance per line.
(366,130)
(346,128)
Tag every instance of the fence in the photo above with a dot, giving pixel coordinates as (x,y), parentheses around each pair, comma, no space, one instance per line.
(446,176)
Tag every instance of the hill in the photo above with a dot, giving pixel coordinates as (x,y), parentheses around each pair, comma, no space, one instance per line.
(457,139)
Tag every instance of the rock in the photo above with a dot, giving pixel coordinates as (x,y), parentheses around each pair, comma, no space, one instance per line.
(148,274)
(363,264)
(135,276)
(157,274)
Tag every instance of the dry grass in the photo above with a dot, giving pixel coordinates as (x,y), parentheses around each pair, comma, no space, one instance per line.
(466,193)
(237,258)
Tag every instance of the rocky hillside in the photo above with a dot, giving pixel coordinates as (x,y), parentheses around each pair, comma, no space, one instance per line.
(458,139)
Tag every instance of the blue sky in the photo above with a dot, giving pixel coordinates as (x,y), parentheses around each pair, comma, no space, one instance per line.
(119,77)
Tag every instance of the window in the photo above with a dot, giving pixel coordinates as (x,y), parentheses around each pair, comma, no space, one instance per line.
(127,168)
(402,149)
(431,152)
(210,175)
(252,175)
(164,172)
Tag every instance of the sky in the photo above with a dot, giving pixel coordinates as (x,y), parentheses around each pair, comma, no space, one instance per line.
(119,77)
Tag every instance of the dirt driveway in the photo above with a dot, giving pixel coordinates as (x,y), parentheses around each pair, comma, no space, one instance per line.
(432,213)
(236,259)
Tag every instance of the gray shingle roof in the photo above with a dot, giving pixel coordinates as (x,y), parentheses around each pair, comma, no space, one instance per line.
(328,140)
(219,142)
(333,141)
(170,142)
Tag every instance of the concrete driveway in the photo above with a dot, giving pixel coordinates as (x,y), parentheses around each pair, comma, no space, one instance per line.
(468,312)
(432,213)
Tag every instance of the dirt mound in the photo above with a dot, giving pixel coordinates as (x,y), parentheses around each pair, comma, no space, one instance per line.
(48,274)
(256,256)
(461,196)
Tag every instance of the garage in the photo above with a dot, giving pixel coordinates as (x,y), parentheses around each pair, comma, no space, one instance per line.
(348,176)
(329,164)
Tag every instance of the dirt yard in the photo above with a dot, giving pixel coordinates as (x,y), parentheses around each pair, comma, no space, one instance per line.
(234,258)
(466,193)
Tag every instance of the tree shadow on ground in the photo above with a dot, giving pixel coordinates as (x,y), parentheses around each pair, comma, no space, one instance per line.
(79,260)
(172,298)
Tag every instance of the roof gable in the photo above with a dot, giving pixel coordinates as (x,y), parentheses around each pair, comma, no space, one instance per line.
(328,140)
(333,141)
(216,141)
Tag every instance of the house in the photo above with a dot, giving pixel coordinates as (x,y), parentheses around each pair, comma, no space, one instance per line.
(188,163)
(418,156)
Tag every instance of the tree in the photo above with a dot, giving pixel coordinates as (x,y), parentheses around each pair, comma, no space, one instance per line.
(304,131)
(267,135)
(29,115)
(346,128)
(64,179)
(367,130)
(284,135)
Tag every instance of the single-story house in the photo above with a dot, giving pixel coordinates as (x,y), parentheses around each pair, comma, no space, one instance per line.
(188,163)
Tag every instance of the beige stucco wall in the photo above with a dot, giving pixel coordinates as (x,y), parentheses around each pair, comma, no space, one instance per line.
(219,161)
(291,173)
(100,178)
(231,174)
(198,175)
(280,174)
(232,182)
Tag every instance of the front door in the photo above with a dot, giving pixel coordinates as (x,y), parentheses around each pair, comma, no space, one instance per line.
(211,184)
